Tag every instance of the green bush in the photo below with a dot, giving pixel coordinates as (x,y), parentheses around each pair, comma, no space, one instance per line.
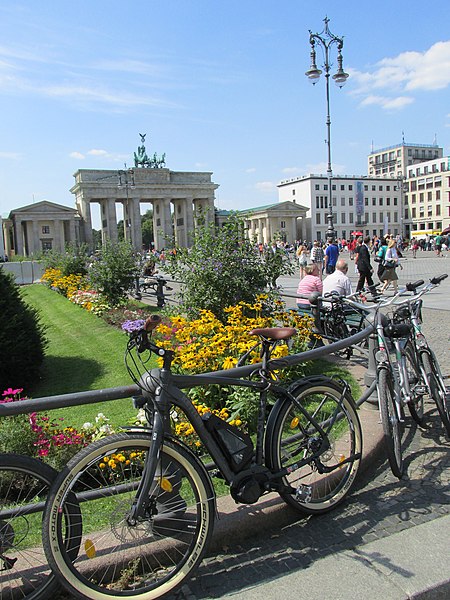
(22,338)
(73,261)
(114,272)
(223,268)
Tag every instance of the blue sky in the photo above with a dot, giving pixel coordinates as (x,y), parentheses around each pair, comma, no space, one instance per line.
(217,85)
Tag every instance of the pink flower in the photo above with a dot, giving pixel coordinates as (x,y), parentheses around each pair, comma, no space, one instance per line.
(11,392)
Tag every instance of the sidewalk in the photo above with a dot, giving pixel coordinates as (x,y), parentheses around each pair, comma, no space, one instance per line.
(389,539)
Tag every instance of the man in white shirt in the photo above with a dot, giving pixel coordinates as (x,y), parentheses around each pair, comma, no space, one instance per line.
(338,281)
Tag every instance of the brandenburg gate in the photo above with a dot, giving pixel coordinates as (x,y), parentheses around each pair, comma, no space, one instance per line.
(179,199)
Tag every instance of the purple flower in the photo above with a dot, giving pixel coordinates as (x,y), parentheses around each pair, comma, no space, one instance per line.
(130,326)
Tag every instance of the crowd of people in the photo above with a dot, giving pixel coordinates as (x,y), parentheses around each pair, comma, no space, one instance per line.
(324,267)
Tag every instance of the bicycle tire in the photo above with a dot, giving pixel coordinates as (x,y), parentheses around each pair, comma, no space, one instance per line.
(117,560)
(24,486)
(437,387)
(416,404)
(390,422)
(286,445)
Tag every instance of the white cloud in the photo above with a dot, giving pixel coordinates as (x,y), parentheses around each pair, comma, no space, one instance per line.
(388,103)
(251,170)
(265,186)
(77,155)
(95,152)
(291,170)
(10,155)
(404,74)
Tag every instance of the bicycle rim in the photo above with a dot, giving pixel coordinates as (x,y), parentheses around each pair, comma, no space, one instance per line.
(437,388)
(24,572)
(317,492)
(390,422)
(117,559)
(415,405)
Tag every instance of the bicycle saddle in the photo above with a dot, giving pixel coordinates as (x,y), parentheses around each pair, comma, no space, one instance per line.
(274,333)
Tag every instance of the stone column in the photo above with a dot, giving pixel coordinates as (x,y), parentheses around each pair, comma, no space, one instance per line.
(18,236)
(35,238)
(112,219)
(84,210)
(72,230)
(134,208)
(162,222)
(57,234)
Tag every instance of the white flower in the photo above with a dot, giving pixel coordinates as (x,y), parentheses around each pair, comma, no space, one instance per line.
(87,425)
(101,417)
(106,429)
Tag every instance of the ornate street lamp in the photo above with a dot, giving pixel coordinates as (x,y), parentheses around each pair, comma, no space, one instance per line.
(326,39)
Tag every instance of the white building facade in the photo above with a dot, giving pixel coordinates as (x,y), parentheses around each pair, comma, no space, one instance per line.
(427,197)
(394,161)
(370,205)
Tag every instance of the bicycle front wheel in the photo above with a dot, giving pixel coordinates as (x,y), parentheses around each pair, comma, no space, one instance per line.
(437,388)
(118,558)
(24,485)
(390,422)
(293,438)
(416,386)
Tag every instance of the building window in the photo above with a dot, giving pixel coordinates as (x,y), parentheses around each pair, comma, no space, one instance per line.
(342,201)
(350,201)
(317,202)
(317,186)
(374,217)
(374,201)
(342,188)
(343,218)
(293,192)
(388,201)
(317,218)
(46,245)
(351,218)
(45,229)
(350,187)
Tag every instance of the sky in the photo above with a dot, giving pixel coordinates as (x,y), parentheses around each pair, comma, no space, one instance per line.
(217,86)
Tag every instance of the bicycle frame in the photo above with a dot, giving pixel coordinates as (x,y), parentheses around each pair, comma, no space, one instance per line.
(162,390)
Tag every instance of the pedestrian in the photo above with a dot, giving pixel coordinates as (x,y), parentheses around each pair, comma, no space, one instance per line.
(331,257)
(317,256)
(302,254)
(310,283)
(381,256)
(391,263)
(365,270)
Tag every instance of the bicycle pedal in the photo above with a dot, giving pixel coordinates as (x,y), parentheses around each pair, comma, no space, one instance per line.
(303,493)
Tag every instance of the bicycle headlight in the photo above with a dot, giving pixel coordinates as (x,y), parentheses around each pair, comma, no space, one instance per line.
(381,355)
(421,342)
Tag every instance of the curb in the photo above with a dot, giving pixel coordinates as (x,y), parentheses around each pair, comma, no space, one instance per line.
(238,522)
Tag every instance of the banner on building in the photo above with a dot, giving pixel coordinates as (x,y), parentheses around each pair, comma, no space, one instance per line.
(359,198)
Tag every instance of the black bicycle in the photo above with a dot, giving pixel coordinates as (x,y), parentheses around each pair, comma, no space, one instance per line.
(147,503)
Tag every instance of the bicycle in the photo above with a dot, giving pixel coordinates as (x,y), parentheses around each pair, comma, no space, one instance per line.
(425,372)
(24,485)
(397,376)
(147,503)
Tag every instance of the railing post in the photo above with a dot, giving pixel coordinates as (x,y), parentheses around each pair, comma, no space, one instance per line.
(371,373)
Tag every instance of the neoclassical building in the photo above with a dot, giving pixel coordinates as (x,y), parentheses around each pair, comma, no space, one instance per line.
(178,200)
(286,221)
(39,227)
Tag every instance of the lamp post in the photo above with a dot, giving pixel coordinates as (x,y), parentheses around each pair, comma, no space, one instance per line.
(326,39)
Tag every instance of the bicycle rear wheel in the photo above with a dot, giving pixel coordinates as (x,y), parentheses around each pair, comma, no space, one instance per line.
(390,421)
(24,485)
(119,559)
(437,388)
(291,438)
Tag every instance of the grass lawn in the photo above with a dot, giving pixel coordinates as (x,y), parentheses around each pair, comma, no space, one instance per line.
(84,353)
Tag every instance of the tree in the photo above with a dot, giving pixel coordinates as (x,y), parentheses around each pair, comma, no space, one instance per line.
(115,270)
(22,338)
(222,268)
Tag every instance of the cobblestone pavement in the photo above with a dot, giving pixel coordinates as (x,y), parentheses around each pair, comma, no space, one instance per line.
(380,506)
